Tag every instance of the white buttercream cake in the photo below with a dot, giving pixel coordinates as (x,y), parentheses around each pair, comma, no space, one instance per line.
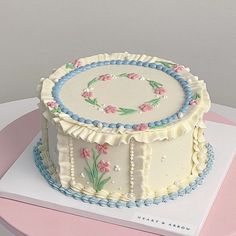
(123,130)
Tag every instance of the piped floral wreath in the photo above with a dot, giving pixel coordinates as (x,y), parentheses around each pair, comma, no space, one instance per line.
(96,170)
(158,90)
(55,107)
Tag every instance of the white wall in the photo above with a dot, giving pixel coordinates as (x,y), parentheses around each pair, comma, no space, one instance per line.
(39,35)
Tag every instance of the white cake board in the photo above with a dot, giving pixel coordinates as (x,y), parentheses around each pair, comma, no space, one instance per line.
(183,216)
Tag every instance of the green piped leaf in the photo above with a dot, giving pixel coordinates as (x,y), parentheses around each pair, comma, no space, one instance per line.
(95,168)
(123,75)
(196,96)
(155,84)
(100,178)
(156,127)
(89,174)
(92,81)
(92,101)
(167,64)
(154,102)
(126,111)
(102,183)
(70,66)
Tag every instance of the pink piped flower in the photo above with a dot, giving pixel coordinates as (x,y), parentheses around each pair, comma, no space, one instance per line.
(141,127)
(52,104)
(193,102)
(87,94)
(103,166)
(178,68)
(105,77)
(77,63)
(145,107)
(85,153)
(160,91)
(110,109)
(102,148)
(134,76)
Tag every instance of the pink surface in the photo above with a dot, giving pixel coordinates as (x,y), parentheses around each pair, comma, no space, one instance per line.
(34,220)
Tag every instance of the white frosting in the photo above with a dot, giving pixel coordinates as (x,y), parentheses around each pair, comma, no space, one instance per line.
(52,143)
(63,158)
(163,160)
(122,92)
(177,164)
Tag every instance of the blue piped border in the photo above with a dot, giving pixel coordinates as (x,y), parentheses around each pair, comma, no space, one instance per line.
(154,124)
(120,204)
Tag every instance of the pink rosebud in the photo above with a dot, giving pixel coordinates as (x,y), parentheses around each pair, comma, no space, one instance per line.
(102,148)
(52,104)
(85,153)
(193,102)
(145,107)
(103,166)
(105,77)
(110,109)
(77,63)
(160,91)
(141,127)
(87,94)
(178,68)
(134,76)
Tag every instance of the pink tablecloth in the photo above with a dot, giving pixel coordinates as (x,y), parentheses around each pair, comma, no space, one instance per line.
(37,221)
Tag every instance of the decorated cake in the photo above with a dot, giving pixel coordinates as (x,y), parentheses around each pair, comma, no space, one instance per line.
(123,130)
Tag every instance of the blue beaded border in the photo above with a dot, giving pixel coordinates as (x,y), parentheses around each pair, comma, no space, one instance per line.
(154,124)
(120,204)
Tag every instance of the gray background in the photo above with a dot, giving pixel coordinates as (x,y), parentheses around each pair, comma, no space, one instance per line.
(37,36)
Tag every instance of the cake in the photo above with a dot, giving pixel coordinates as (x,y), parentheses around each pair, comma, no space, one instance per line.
(123,130)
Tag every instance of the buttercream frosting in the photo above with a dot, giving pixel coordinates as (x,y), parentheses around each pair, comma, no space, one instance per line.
(118,118)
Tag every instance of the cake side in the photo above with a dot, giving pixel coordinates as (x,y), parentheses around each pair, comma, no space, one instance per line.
(145,160)
(134,171)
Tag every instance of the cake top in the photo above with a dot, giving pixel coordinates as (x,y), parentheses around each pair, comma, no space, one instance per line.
(124,93)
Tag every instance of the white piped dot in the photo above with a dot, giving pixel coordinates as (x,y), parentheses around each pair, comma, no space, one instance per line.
(129,195)
(163,158)
(180,115)
(82,175)
(99,125)
(116,168)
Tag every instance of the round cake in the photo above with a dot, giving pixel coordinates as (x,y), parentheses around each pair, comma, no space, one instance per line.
(123,130)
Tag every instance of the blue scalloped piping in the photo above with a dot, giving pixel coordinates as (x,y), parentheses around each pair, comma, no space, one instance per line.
(120,204)
(154,124)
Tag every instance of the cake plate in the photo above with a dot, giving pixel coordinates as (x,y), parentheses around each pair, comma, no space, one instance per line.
(183,216)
